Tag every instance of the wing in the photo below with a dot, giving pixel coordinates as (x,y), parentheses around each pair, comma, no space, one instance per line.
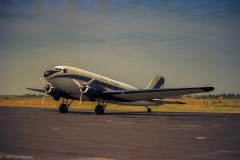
(37,90)
(149,94)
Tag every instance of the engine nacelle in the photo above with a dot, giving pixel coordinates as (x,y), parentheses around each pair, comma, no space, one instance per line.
(91,93)
(95,92)
(56,93)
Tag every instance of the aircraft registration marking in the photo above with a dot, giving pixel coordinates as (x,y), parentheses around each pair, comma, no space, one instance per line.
(109,81)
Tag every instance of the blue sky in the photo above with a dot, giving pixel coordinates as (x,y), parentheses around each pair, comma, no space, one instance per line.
(190,43)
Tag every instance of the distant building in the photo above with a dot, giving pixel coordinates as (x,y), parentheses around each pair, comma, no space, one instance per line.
(220,97)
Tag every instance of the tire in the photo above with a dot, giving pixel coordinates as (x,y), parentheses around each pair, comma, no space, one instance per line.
(63,108)
(99,109)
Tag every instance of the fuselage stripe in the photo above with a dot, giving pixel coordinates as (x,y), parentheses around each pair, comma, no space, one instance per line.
(85,79)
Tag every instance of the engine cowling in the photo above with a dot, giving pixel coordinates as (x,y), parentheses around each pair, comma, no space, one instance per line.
(94,92)
(91,93)
(56,93)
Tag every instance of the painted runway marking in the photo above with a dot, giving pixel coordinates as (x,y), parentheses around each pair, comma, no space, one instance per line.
(200,138)
(55,128)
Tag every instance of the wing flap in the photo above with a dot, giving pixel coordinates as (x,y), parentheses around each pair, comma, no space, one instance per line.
(149,94)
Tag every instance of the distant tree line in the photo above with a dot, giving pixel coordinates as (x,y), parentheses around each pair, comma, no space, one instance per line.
(21,96)
(31,95)
(218,96)
(209,96)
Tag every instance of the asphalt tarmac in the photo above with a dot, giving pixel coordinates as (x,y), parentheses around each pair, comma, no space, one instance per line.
(37,133)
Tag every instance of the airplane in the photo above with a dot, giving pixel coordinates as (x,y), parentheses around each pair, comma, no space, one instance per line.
(77,84)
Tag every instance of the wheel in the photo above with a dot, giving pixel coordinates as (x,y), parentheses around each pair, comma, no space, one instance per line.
(149,110)
(99,109)
(63,108)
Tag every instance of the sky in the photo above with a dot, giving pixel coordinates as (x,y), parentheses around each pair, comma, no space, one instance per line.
(190,43)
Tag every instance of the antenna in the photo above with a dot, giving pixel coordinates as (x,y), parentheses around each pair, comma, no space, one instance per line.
(65,64)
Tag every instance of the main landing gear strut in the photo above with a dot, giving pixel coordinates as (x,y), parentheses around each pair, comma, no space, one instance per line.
(63,108)
(99,109)
(148,109)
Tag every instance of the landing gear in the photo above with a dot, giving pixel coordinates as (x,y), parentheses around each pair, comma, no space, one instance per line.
(63,108)
(99,109)
(148,109)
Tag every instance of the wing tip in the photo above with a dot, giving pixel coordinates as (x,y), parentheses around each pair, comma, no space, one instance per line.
(208,89)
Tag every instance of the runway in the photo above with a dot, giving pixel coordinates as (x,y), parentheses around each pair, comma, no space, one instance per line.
(37,133)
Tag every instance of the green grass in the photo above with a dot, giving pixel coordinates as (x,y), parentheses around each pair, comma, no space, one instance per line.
(192,105)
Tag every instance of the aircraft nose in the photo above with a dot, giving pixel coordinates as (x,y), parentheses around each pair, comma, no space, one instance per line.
(49,73)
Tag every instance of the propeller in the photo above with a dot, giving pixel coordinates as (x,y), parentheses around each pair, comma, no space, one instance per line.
(82,87)
(47,87)
(43,98)
(42,81)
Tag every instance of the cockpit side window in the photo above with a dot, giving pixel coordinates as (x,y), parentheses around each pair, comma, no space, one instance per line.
(64,71)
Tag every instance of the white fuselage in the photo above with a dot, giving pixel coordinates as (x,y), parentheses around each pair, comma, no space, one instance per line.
(62,77)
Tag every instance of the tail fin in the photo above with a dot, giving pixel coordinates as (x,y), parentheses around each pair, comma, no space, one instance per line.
(156,83)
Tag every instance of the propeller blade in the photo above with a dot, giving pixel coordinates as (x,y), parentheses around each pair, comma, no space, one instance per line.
(43,98)
(77,83)
(80,100)
(42,81)
(89,82)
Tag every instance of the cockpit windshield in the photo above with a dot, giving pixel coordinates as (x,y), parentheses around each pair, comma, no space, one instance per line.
(60,70)
(57,69)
